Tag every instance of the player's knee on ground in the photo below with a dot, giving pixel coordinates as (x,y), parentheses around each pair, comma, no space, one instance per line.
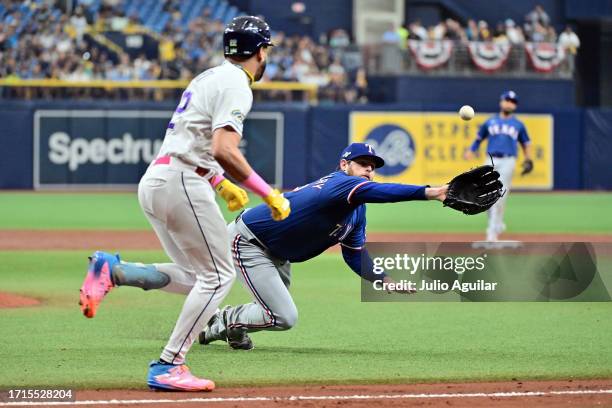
(287,319)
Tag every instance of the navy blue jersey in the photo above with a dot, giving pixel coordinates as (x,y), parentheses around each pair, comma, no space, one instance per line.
(503,135)
(328,211)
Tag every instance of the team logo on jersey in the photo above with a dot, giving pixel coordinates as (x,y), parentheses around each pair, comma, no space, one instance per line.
(239,116)
(395,145)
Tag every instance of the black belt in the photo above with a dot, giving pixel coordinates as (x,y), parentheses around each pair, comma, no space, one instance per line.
(500,155)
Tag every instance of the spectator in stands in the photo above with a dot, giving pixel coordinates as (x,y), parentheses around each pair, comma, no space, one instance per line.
(119,21)
(3,38)
(484,33)
(536,22)
(454,31)
(391,36)
(339,38)
(361,85)
(551,35)
(438,31)
(417,31)
(79,23)
(538,33)
(570,43)
(133,25)
(472,31)
(500,36)
(538,16)
(403,33)
(514,33)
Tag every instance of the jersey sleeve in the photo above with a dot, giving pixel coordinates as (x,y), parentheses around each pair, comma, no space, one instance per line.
(356,190)
(361,263)
(373,192)
(231,107)
(523,137)
(482,134)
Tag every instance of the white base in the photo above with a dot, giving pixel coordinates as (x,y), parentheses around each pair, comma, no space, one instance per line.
(497,244)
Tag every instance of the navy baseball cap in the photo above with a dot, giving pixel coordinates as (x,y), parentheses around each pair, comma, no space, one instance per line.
(509,96)
(355,150)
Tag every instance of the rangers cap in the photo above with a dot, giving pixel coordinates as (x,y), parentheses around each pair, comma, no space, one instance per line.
(509,96)
(355,150)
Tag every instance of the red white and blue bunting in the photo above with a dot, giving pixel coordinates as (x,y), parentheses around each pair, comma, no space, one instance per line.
(489,56)
(431,54)
(544,57)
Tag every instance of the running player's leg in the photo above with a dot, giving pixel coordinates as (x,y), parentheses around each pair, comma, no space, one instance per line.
(505,167)
(196,237)
(268,280)
(198,229)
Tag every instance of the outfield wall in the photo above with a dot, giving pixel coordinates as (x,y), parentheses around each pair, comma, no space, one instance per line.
(85,144)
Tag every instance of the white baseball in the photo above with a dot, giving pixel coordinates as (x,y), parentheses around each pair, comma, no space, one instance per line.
(466,112)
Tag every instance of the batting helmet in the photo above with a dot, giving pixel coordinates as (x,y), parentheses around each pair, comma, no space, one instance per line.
(244,35)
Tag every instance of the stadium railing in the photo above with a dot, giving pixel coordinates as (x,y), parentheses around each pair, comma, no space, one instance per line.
(308,90)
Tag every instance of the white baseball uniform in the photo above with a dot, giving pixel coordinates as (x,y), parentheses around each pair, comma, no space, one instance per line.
(179,201)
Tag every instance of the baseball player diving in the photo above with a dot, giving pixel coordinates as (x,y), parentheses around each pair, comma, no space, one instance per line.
(177,195)
(503,132)
(326,212)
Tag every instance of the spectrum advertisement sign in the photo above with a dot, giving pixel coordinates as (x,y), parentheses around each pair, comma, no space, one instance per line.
(112,148)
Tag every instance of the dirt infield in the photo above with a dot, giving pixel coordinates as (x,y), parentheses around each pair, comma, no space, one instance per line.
(10,300)
(19,240)
(498,394)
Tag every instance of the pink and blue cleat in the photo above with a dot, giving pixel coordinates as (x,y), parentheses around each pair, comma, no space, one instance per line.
(170,377)
(98,281)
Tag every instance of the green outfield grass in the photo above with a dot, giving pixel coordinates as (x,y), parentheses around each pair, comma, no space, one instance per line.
(528,213)
(338,339)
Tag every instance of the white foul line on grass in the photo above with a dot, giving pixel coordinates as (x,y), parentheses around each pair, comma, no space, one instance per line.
(312,398)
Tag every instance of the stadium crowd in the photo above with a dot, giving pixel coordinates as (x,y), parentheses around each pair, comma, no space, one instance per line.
(38,40)
(536,27)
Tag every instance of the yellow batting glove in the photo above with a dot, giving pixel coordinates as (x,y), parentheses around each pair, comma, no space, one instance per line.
(235,197)
(279,205)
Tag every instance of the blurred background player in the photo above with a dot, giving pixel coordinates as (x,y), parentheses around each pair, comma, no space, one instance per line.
(177,195)
(503,131)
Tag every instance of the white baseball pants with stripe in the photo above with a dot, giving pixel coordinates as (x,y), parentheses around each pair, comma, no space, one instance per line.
(181,207)
(505,168)
(267,279)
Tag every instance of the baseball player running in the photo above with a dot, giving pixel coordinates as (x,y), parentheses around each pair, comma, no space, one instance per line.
(325,212)
(503,131)
(177,195)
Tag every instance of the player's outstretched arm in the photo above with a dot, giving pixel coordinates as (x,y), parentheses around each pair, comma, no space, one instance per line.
(372,192)
(436,193)
(225,150)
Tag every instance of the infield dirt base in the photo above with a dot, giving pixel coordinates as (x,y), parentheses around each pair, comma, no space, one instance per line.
(486,394)
(23,240)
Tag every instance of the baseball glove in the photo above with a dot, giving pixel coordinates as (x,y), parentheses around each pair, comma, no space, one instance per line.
(474,191)
(527,166)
